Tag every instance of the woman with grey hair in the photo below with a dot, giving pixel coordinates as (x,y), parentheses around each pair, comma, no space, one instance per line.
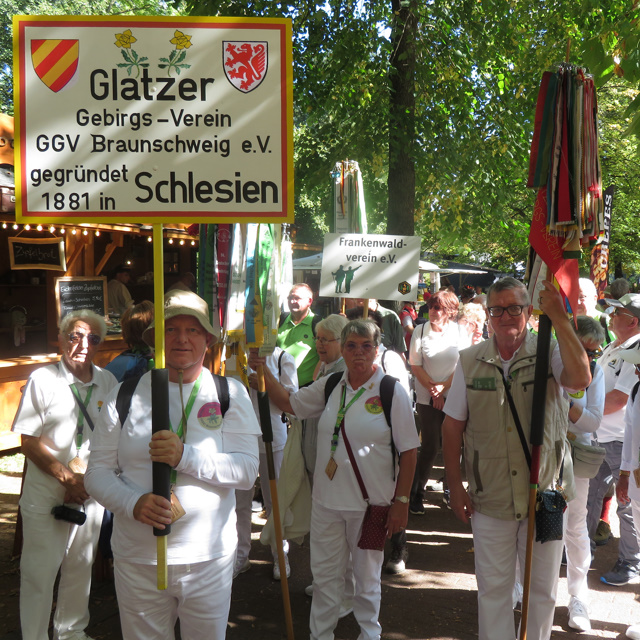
(353,411)
(59,407)
(585,412)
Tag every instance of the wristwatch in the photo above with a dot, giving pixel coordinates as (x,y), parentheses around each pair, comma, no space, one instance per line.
(402,499)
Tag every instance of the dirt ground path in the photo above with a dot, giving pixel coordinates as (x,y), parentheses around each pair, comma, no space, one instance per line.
(434,599)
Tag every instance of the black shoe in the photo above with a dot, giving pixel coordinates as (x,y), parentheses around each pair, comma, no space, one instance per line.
(397,560)
(416,507)
(622,573)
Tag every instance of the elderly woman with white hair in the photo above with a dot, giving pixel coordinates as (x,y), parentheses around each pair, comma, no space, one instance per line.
(355,450)
(55,419)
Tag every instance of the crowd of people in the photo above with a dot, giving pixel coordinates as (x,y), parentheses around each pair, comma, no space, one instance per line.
(362,403)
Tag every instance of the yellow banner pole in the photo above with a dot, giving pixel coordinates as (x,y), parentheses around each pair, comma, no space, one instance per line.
(158,302)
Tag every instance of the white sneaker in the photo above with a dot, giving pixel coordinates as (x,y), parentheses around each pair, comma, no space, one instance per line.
(633,632)
(308,591)
(579,615)
(276,568)
(241,566)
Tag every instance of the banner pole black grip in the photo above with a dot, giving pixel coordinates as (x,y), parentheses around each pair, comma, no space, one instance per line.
(540,381)
(160,422)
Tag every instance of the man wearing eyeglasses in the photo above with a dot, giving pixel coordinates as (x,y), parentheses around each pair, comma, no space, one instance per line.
(619,379)
(56,437)
(479,415)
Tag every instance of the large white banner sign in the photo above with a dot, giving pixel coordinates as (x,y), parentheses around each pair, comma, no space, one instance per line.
(370,266)
(153,119)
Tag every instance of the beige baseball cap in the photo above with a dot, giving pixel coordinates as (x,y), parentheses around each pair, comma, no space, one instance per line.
(182,303)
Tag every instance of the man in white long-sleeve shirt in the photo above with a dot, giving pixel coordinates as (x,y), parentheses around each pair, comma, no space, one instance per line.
(211,455)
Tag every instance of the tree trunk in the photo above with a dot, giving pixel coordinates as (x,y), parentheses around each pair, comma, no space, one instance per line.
(402,178)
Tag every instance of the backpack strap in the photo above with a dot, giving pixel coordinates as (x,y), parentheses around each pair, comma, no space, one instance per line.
(332,383)
(123,399)
(222,387)
(387,388)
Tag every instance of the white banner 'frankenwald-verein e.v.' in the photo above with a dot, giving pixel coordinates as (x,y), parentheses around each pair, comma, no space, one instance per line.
(370,266)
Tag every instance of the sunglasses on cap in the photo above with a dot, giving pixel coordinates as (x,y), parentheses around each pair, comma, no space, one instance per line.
(92,338)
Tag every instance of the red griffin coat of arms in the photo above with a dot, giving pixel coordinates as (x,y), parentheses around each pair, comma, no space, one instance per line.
(55,61)
(245,64)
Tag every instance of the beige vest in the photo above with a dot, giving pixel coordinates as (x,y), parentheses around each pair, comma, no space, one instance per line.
(495,463)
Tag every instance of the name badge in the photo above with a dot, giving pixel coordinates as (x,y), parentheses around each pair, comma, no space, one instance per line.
(483,384)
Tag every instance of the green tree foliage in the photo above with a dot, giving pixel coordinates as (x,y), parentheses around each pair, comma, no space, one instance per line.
(9,8)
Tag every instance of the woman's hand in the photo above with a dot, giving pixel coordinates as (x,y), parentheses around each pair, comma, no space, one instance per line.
(397,518)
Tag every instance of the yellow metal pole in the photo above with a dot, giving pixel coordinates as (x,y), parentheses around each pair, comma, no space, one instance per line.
(158,302)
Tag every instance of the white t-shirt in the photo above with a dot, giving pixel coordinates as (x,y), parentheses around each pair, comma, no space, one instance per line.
(393,366)
(456,404)
(369,436)
(436,352)
(288,378)
(49,411)
(631,446)
(618,375)
(592,403)
(219,456)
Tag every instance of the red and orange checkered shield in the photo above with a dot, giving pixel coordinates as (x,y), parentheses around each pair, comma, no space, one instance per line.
(55,61)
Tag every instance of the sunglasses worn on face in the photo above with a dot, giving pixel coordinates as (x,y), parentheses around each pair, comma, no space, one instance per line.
(367,347)
(513,310)
(594,353)
(93,338)
(619,312)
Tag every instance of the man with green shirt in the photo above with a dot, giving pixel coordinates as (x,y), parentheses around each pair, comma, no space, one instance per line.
(295,334)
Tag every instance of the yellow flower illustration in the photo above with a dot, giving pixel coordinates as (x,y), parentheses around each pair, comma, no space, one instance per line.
(125,40)
(181,40)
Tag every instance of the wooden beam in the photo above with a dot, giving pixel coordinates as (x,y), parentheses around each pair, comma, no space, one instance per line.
(117,240)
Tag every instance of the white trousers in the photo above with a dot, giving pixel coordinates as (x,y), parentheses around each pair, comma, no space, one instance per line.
(244,498)
(577,542)
(50,545)
(199,594)
(497,543)
(335,534)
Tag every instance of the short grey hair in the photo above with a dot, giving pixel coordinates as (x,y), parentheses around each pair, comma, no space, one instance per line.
(363,328)
(589,329)
(333,324)
(505,284)
(472,312)
(95,321)
(619,287)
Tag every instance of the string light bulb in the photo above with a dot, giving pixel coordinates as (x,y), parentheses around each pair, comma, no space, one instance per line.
(170,240)
(27,227)
(15,227)
(193,243)
(63,230)
(149,239)
(181,242)
(39,227)
(85,233)
(52,229)
(97,232)
(73,231)
(4,225)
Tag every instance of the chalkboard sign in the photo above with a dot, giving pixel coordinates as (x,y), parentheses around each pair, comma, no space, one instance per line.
(81,292)
(37,253)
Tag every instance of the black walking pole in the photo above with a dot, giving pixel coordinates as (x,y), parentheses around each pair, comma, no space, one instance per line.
(161,470)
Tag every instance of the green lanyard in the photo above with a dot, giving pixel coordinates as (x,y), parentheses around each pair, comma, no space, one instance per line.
(341,413)
(80,421)
(182,427)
